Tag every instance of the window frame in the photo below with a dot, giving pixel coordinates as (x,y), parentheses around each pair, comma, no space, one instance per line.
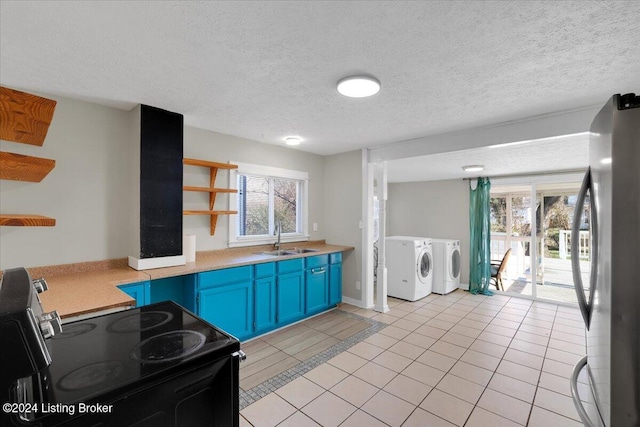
(271,172)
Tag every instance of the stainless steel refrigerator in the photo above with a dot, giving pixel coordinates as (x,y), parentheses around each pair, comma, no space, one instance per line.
(612,309)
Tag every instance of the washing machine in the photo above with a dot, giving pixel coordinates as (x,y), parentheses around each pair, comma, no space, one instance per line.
(446,265)
(409,262)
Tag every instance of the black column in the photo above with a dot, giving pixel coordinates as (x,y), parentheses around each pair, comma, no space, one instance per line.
(161,170)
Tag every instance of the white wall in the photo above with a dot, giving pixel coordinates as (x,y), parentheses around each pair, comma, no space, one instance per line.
(86,192)
(89,190)
(436,209)
(343,212)
(216,147)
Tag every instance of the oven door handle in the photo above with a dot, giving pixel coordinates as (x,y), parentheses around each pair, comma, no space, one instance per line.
(240,355)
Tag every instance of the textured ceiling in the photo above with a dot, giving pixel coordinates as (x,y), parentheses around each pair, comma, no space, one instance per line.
(266,70)
(525,157)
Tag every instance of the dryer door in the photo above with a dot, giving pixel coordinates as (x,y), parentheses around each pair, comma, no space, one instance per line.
(424,265)
(454,263)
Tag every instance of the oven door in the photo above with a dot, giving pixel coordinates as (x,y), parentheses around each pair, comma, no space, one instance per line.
(201,394)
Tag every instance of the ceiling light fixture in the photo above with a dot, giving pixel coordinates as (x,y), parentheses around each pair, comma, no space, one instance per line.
(292,140)
(473,168)
(358,86)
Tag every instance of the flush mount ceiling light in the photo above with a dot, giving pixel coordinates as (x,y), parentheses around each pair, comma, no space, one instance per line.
(292,140)
(473,168)
(358,86)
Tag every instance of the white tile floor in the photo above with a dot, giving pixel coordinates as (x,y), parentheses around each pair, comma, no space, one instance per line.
(454,360)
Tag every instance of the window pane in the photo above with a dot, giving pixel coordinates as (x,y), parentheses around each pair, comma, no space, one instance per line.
(498,207)
(285,199)
(521,216)
(253,209)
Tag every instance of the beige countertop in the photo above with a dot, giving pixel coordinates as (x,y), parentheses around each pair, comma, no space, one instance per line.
(84,288)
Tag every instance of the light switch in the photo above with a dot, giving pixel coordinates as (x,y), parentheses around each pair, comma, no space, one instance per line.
(315,226)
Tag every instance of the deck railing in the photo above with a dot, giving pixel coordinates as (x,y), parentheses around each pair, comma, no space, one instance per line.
(565,244)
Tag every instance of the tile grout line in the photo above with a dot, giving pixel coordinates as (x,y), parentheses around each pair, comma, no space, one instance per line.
(499,305)
(467,349)
(274,383)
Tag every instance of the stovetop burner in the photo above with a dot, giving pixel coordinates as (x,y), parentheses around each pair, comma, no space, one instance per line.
(91,375)
(138,322)
(73,330)
(168,346)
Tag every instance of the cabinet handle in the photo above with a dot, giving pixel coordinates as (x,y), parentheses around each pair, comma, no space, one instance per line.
(317,270)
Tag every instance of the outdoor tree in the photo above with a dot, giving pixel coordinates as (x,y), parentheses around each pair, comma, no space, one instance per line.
(256,207)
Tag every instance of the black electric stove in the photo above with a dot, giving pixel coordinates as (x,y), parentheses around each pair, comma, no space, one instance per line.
(157,365)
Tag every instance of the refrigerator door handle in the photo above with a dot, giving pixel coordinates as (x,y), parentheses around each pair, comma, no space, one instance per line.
(585,307)
(576,397)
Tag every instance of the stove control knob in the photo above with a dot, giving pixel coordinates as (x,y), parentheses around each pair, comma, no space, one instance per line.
(47,329)
(54,320)
(40,285)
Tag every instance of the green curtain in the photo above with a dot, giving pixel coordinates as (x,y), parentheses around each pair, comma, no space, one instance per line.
(480,227)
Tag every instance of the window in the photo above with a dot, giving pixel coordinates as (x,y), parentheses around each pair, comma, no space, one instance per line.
(266,196)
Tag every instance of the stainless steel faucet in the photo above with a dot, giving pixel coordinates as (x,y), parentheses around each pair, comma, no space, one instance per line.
(277,230)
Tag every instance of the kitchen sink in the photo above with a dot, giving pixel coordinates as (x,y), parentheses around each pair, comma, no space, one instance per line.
(285,252)
(301,250)
(279,252)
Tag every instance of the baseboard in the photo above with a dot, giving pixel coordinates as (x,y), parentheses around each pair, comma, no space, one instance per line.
(463,286)
(353,301)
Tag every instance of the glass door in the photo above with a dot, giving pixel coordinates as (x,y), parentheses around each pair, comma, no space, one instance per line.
(512,214)
(511,228)
(557,214)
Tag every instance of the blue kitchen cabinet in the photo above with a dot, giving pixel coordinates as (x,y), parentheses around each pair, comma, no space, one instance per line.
(316,284)
(229,307)
(335,278)
(179,289)
(225,299)
(265,300)
(139,291)
(250,300)
(290,291)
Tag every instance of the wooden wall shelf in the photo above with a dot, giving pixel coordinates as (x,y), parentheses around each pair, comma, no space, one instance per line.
(213,191)
(209,190)
(24,118)
(26,220)
(18,167)
(210,212)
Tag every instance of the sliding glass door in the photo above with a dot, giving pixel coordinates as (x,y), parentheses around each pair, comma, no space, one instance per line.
(544,251)
(557,213)
(511,228)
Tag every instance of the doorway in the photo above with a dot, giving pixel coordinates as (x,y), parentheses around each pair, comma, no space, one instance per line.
(535,221)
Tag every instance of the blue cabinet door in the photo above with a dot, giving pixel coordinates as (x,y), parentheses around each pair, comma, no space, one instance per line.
(335,284)
(229,307)
(290,293)
(139,291)
(317,289)
(265,304)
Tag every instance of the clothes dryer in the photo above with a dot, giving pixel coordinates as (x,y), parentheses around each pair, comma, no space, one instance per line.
(409,263)
(446,269)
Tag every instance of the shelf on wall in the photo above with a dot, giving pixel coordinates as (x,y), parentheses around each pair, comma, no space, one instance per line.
(213,191)
(19,220)
(24,118)
(209,190)
(18,167)
(209,212)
